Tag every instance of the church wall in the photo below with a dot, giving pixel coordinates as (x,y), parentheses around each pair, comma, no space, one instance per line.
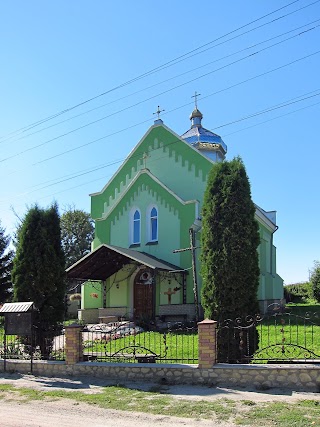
(91,295)
(271,285)
(184,171)
(174,172)
(117,288)
(168,224)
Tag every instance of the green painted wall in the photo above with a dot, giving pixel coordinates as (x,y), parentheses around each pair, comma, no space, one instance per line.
(184,171)
(91,295)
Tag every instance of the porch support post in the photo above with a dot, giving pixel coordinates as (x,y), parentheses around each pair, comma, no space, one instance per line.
(73,345)
(104,293)
(207,343)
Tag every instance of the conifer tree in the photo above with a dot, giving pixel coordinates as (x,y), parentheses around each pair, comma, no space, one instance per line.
(6,256)
(230,239)
(38,273)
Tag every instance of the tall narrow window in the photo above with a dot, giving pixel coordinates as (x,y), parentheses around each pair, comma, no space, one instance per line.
(154,224)
(136,227)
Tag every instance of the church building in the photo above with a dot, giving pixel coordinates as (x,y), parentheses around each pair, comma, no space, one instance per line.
(144,262)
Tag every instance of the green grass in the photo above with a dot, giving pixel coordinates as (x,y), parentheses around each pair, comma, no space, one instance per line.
(171,346)
(305,413)
(291,331)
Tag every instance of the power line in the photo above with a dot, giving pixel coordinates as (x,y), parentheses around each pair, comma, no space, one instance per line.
(167,112)
(240,130)
(165,65)
(270,120)
(171,78)
(151,97)
(283,104)
(267,110)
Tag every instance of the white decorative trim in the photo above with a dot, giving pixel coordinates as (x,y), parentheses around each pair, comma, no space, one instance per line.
(156,180)
(133,210)
(149,224)
(160,145)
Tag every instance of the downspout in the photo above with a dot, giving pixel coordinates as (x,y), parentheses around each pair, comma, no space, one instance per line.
(271,249)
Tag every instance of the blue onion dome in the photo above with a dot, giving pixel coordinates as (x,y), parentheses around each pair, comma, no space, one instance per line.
(203,139)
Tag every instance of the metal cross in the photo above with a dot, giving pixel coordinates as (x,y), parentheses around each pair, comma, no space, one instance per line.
(170,292)
(158,112)
(195,98)
(192,248)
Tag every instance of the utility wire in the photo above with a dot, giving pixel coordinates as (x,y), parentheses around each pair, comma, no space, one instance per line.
(283,104)
(151,97)
(165,65)
(167,112)
(240,130)
(166,80)
(270,120)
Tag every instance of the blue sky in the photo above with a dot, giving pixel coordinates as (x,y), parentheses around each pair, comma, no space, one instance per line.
(55,55)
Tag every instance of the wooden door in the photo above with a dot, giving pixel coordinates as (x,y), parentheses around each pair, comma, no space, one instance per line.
(143,301)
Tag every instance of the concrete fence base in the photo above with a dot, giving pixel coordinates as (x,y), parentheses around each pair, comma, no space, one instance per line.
(302,377)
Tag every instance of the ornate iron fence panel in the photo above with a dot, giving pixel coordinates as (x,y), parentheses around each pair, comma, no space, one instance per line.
(127,342)
(278,336)
(35,346)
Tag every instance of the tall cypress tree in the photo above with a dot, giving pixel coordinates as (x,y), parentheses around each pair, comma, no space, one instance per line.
(38,273)
(230,263)
(6,256)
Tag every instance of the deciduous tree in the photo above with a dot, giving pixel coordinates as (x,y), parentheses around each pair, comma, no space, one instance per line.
(315,281)
(77,233)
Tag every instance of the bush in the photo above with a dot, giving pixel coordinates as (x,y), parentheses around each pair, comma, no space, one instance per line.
(315,281)
(298,292)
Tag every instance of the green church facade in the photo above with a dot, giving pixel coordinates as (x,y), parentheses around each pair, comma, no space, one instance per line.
(150,208)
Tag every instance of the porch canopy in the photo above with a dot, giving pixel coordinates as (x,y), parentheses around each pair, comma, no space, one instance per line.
(106,260)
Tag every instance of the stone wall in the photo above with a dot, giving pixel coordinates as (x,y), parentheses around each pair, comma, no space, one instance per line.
(177,309)
(300,377)
(89,315)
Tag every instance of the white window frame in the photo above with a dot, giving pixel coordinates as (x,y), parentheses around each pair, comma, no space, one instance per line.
(149,223)
(132,227)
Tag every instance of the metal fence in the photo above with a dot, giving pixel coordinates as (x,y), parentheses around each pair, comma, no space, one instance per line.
(275,337)
(36,346)
(127,342)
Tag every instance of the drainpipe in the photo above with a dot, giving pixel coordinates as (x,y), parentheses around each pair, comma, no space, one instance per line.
(271,247)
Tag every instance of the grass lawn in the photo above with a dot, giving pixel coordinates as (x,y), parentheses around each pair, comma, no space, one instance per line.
(304,413)
(296,329)
(173,346)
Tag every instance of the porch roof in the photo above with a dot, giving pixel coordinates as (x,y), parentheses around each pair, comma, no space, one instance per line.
(106,260)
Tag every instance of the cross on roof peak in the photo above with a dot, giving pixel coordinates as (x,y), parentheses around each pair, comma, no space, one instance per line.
(195,96)
(158,112)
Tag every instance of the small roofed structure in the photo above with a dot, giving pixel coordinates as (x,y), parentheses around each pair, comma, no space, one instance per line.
(18,317)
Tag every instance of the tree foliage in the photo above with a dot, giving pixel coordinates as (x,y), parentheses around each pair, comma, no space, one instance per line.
(77,233)
(6,256)
(38,273)
(315,281)
(230,238)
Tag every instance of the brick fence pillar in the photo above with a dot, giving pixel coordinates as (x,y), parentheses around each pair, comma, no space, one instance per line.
(207,343)
(73,346)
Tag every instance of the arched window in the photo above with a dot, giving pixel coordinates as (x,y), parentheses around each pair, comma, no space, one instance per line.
(136,227)
(153,225)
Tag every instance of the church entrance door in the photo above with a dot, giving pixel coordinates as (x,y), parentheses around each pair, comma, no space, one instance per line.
(143,298)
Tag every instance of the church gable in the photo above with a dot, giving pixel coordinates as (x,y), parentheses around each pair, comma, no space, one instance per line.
(173,161)
(149,217)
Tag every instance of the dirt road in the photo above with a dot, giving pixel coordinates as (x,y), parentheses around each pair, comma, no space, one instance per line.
(68,413)
(62,413)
